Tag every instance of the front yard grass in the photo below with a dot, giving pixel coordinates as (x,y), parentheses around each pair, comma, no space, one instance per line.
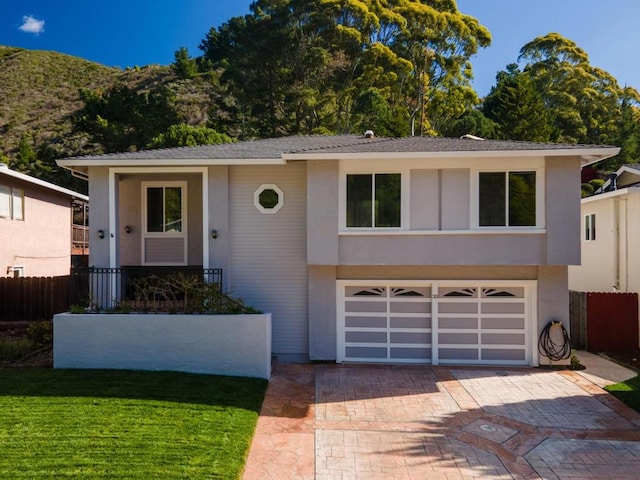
(125,424)
(628,392)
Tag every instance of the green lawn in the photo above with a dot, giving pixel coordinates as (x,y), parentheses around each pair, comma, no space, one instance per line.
(628,392)
(124,424)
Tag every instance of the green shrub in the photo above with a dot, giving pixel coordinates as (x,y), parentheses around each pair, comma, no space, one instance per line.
(12,349)
(41,333)
(587,189)
(596,183)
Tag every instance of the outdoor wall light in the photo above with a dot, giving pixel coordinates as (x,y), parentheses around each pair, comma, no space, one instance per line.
(128,229)
(100,234)
(214,233)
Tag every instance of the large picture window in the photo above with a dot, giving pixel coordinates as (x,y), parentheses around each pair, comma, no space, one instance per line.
(11,202)
(507,199)
(374,200)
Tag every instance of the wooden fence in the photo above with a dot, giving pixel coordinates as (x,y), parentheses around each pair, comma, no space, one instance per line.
(33,298)
(604,322)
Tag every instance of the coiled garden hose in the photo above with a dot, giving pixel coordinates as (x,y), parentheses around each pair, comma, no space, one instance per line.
(549,348)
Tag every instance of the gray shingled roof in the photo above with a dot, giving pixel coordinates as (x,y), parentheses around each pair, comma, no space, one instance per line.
(276,147)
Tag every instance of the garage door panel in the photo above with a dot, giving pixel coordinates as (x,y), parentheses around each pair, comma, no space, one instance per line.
(504,323)
(366,337)
(503,307)
(457,307)
(409,353)
(366,307)
(458,338)
(458,354)
(457,323)
(410,307)
(410,337)
(502,339)
(411,322)
(509,355)
(365,322)
(374,353)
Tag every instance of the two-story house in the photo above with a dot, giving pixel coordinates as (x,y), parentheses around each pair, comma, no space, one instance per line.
(36,226)
(407,250)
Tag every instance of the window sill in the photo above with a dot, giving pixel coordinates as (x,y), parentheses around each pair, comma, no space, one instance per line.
(506,231)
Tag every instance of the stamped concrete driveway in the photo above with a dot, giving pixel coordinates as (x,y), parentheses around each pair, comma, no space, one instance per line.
(411,422)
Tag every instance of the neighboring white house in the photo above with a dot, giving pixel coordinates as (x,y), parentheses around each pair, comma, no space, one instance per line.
(610,237)
(407,250)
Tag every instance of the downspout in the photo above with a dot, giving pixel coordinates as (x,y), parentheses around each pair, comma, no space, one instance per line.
(616,245)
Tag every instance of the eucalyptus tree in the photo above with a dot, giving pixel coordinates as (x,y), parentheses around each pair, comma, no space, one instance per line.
(584,100)
(301,66)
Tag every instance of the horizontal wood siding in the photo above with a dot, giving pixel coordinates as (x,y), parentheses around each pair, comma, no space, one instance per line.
(268,261)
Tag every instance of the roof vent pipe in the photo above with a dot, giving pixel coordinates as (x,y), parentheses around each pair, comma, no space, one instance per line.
(369,134)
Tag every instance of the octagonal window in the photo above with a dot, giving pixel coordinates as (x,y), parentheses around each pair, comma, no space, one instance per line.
(268,198)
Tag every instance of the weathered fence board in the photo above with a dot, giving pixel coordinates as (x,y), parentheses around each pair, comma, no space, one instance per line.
(578,319)
(33,298)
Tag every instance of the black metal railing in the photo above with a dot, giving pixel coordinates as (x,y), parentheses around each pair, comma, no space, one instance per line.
(139,287)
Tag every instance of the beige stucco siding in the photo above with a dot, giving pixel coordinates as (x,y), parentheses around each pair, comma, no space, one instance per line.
(268,252)
(562,211)
(99,208)
(424,201)
(41,243)
(455,199)
(443,249)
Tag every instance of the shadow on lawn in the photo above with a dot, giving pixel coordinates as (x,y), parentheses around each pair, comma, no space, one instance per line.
(246,393)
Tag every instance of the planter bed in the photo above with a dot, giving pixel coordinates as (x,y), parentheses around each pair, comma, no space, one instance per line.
(235,345)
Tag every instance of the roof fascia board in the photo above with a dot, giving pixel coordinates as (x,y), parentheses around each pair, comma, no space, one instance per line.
(606,195)
(587,154)
(42,183)
(169,162)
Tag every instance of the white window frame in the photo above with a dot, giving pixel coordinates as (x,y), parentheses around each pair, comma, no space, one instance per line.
(185,227)
(590,227)
(19,269)
(12,193)
(258,192)
(540,197)
(404,199)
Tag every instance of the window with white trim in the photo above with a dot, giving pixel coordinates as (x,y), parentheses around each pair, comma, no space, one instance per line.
(11,202)
(268,198)
(508,199)
(164,223)
(374,200)
(164,209)
(590,227)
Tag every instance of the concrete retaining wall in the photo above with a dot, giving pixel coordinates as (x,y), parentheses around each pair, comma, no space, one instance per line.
(236,345)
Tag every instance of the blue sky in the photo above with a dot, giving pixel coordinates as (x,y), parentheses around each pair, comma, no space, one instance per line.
(139,32)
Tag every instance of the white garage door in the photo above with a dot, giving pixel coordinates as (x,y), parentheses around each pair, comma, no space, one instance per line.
(435,322)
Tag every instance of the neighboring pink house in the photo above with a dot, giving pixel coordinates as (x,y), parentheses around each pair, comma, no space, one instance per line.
(36,226)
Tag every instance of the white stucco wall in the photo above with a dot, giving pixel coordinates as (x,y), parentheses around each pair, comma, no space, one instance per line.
(610,262)
(236,345)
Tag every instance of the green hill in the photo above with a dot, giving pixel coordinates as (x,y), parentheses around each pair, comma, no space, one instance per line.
(39,97)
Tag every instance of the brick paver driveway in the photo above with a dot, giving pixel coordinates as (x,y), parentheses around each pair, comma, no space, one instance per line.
(410,422)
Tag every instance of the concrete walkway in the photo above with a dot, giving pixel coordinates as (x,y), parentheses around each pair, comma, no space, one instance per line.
(412,422)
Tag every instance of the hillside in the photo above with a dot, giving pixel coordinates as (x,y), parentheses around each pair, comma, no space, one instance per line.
(39,96)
